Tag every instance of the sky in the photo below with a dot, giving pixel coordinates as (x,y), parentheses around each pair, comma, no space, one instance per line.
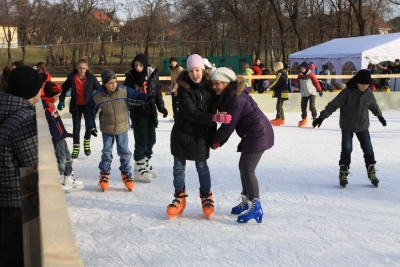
(309,220)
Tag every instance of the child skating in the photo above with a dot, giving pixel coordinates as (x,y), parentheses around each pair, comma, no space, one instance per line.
(51,93)
(354,102)
(82,84)
(308,86)
(113,100)
(255,131)
(191,134)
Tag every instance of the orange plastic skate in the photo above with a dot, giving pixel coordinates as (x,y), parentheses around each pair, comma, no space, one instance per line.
(104,180)
(127,179)
(277,122)
(303,122)
(178,204)
(208,204)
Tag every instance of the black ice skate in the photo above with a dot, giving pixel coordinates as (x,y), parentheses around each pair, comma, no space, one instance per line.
(343,173)
(372,175)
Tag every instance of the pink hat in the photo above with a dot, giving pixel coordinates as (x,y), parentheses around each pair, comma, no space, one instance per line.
(195,61)
(312,66)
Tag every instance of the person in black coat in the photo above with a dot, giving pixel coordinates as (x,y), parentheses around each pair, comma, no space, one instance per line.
(144,78)
(281,93)
(192,132)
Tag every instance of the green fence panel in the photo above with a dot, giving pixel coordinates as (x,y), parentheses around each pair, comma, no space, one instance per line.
(233,62)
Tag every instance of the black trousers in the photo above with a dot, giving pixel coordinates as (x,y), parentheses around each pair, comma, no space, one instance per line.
(304,101)
(174,104)
(247,167)
(279,109)
(76,123)
(11,246)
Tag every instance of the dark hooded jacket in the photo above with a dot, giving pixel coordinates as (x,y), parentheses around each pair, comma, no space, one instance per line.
(250,123)
(354,105)
(18,146)
(193,128)
(153,89)
(92,85)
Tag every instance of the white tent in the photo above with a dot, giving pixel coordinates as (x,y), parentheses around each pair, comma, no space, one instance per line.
(357,51)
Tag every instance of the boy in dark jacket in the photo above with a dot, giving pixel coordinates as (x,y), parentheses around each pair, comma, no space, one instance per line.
(113,100)
(281,92)
(144,78)
(19,146)
(58,133)
(354,102)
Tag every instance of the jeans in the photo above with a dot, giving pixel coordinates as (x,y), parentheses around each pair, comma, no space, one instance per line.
(279,109)
(145,137)
(202,170)
(304,101)
(247,166)
(123,152)
(11,248)
(63,158)
(76,123)
(347,147)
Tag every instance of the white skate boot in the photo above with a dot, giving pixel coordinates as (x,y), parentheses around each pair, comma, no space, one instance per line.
(141,173)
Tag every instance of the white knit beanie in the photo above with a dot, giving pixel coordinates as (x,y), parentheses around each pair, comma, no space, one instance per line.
(223,74)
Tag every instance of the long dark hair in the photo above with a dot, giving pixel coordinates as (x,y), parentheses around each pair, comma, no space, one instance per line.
(3,80)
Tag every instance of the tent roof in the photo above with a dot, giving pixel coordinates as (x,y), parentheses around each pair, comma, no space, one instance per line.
(358,50)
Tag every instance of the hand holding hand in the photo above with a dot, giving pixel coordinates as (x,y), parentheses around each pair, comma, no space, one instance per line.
(61,105)
(215,146)
(317,122)
(93,132)
(321,93)
(222,117)
(382,120)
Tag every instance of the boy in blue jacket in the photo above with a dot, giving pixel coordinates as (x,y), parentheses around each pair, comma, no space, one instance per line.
(51,94)
(113,100)
(354,102)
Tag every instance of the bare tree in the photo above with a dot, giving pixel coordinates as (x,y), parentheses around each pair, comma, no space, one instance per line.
(357,6)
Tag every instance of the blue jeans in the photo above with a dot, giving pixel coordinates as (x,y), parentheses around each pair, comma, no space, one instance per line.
(202,170)
(347,147)
(63,158)
(123,152)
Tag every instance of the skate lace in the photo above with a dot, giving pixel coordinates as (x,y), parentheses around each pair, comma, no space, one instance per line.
(75,150)
(86,145)
(372,175)
(177,200)
(343,174)
(127,178)
(250,209)
(241,204)
(103,178)
(206,201)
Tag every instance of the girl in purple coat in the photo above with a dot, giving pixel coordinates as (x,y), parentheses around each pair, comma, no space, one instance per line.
(252,126)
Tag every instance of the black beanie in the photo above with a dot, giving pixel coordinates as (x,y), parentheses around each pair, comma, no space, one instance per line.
(107,75)
(51,89)
(362,77)
(142,59)
(305,65)
(173,59)
(24,82)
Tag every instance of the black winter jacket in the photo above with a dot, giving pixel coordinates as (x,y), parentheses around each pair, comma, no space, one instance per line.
(354,106)
(153,89)
(92,85)
(191,135)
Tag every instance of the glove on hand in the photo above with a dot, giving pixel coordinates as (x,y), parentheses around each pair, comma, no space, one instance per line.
(165,113)
(382,120)
(93,132)
(222,117)
(321,93)
(317,122)
(215,146)
(61,105)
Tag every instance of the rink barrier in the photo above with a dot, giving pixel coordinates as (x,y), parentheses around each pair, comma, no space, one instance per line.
(46,224)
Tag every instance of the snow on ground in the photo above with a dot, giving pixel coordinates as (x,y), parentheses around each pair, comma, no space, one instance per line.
(309,220)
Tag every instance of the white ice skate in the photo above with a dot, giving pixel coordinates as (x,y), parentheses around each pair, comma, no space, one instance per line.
(141,173)
(150,168)
(71,183)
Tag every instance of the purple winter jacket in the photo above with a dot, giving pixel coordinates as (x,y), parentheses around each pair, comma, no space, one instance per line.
(248,120)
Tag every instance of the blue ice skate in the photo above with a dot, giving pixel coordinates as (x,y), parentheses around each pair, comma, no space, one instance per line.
(241,207)
(255,212)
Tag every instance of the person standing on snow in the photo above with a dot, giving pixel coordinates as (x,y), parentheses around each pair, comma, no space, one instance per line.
(192,132)
(255,131)
(281,93)
(354,102)
(308,86)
